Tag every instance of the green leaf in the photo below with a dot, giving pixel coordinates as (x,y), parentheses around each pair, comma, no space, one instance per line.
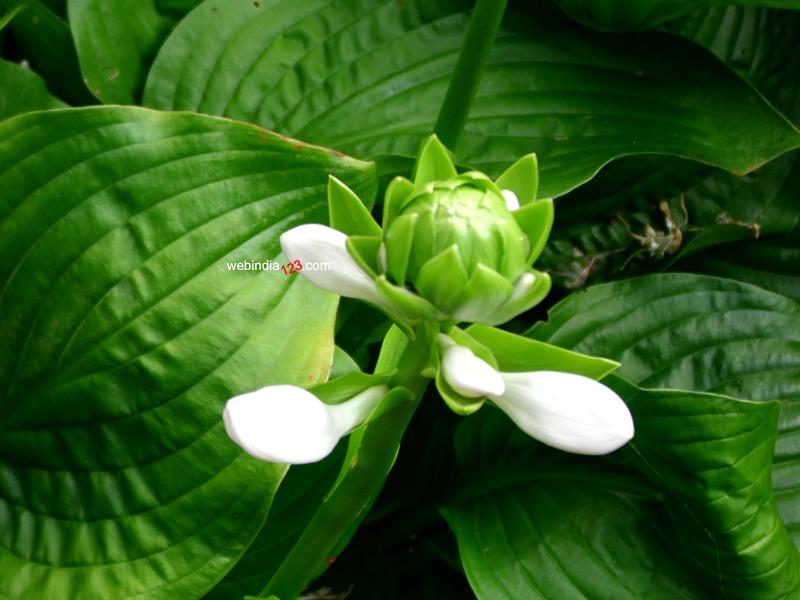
(758,43)
(681,331)
(379,75)
(711,210)
(23,91)
(124,329)
(45,40)
(348,213)
(300,495)
(771,262)
(535,523)
(515,353)
(766,199)
(548,541)
(627,15)
(116,42)
(712,455)
(359,328)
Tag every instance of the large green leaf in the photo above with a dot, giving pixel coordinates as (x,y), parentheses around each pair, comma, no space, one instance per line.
(758,43)
(700,333)
(124,329)
(590,243)
(565,538)
(23,91)
(626,15)
(367,78)
(116,42)
(712,456)
(535,523)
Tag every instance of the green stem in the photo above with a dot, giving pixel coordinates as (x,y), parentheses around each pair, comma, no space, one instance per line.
(477,45)
(370,457)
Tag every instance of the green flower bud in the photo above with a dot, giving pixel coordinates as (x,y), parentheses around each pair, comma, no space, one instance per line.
(451,247)
(455,241)
(468,212)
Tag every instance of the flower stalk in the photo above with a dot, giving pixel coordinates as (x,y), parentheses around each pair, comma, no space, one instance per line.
(475,50)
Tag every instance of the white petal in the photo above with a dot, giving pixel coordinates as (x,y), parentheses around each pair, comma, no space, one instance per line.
(315,243)
(512,202)
(467,374)
(567,411)
(282,424)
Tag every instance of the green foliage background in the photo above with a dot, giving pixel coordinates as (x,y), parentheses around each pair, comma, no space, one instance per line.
(143,144)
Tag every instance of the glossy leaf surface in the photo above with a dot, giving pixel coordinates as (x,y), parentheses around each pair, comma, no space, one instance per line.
(532,522)
(126,325)
(538,532)
(116,41)
(681,331)
(368,78)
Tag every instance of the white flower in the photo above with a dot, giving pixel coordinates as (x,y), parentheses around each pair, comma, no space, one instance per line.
(319,243)
(567,411)
(467,374)
(287,424)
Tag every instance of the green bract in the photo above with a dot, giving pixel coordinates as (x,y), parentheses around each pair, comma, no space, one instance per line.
(455,247)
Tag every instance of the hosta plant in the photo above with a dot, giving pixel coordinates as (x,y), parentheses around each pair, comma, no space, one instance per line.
(332,299)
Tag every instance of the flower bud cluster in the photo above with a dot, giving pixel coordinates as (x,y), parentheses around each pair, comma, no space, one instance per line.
(452,248)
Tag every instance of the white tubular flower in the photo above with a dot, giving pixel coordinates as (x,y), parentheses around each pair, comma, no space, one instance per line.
(569,412)
(289,425)
(566,411)
(467,374)
(319,243)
